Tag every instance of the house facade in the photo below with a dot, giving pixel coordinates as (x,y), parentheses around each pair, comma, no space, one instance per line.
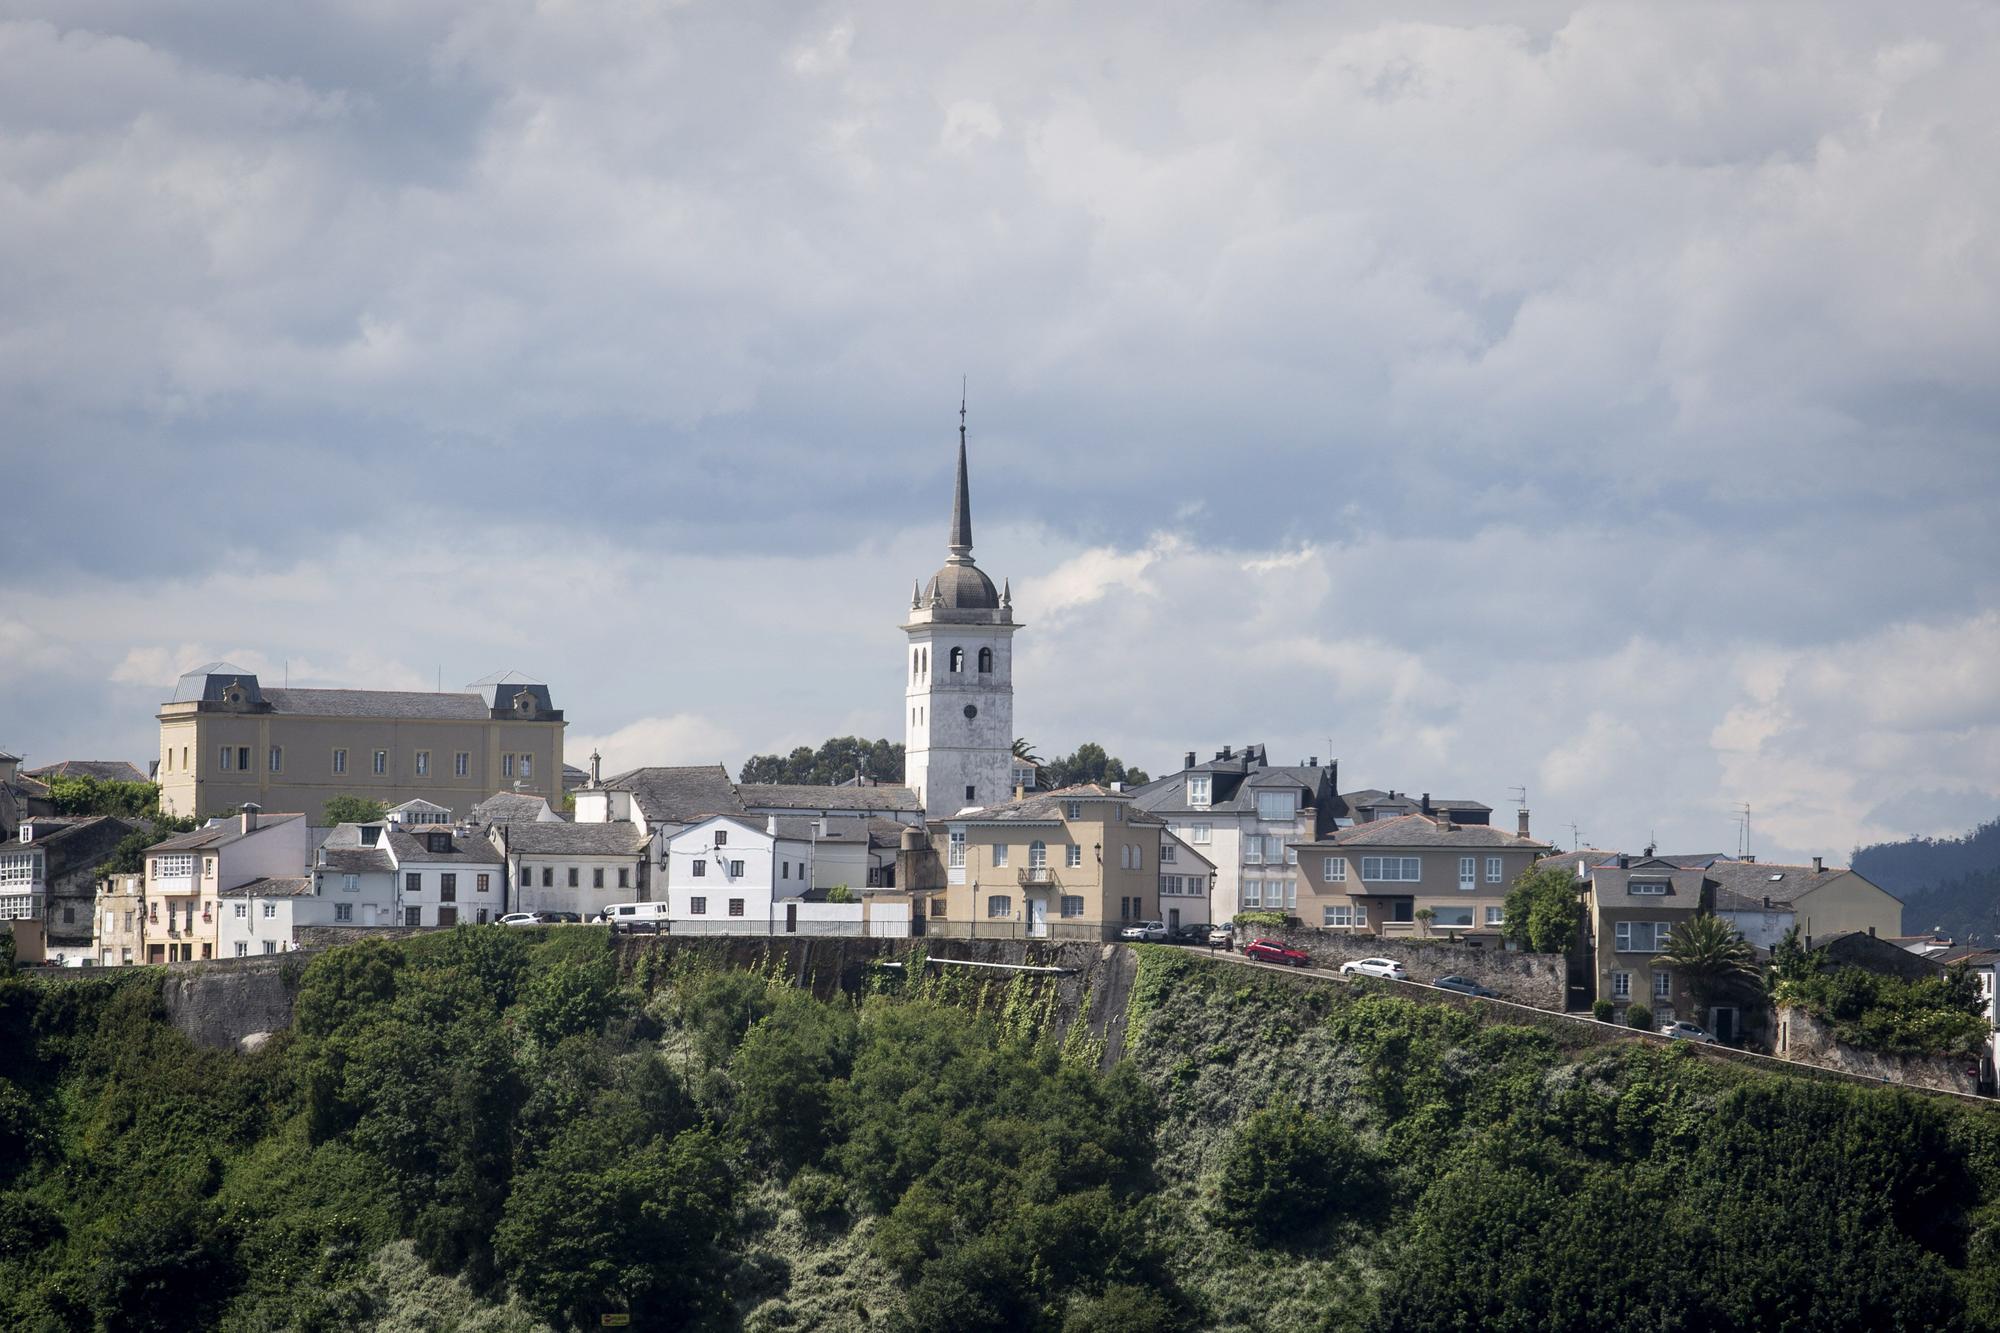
(447,877)
(48,873)
(1820,899)
(226,740)
(120,932)
(581,867)
(738,875)
(1186,880)
(1631,906)
(1244,816)
(263,915)
(354,871)
(186,874)
(1378,877)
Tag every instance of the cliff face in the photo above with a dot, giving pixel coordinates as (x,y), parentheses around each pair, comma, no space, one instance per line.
(233,1005)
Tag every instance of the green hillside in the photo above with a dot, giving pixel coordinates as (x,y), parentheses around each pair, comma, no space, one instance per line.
(497,1130)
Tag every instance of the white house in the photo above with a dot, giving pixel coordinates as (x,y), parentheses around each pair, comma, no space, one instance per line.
(735,875)
(420,811)
(447,876)
(353,870)
(263,915)
(1186,877)
(581,868)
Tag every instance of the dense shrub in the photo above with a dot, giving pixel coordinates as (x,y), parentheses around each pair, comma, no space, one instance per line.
(1639,1016)
(1933,1016)
(1603,1010)
(1288,1172)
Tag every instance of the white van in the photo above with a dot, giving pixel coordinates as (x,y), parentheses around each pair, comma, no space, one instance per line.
(636,918)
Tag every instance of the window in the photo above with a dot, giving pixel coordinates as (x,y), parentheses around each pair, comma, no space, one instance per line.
(228,757)
(1654,887)
(1496,916)
(1274,851)
(1198,790)
(1073,856)
(1253,851)
(722,837)
(527,765)
(270,946)
(381,762)
(1167,854)
(461,764)
(957,661)
(735,869)
(423,763)
(1253,893)
(1344,917)
(506,765)
(969,793)
(1124,857)
(1072,809)
(736,907)
(1640,936)
(1468,872)
(413,883)
(243,758)
(1663,985)
(697,907)
(179,866)
(548,877)
(270,911)
(482,883)
(350,883)
(955,852)
(413,916)
(985,661)
(343,911)
(277,758)
(1072,906)
(1621,985)
(784,870)
(937,908)
(242,948)
(1138,858)
(999,856)
(1334,870)
(597,877)
(1394,869)
(999,905)
(1277,805)
(700,870)
(1493,870)
(480,916)
(1199,834)
(242,910)
(1452,916)
(572,877)
(447,888)
(624,877)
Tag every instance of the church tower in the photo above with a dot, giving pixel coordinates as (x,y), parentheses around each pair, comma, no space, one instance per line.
(959,671)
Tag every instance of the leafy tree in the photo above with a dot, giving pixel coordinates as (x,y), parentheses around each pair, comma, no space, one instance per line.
(1542,910)
(836,761)
(1089,764)
(1424,916)
(86,795)
(1288,1171)
(1934,1016)
(569,999)
(1792,961)
(1709,953)
(352,810)
(785,1075)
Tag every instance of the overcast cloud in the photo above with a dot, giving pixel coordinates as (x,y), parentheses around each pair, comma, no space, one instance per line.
(1600,401)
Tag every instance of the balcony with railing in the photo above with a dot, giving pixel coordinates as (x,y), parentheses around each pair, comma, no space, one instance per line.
(1039,877)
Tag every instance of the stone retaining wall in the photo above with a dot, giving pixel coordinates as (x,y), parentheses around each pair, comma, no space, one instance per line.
(1804,1039)
(1538,979)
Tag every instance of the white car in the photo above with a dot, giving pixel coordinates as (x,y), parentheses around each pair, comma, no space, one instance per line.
(521,919)
(1145,930)
(1685,1031)
(1375,967)
(635,918)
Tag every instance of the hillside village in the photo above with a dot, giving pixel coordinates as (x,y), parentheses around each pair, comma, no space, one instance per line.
(471,816)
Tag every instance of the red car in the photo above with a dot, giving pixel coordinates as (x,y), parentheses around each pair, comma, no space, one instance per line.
(1270,951)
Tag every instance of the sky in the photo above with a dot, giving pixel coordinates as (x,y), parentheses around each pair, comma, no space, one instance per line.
(1593,399)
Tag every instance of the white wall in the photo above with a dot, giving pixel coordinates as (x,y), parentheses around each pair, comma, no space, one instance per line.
(272,851)
(761,882)
(468,897)
(586,899)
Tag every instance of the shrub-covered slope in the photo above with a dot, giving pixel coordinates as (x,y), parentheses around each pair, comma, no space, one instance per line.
(495,1130)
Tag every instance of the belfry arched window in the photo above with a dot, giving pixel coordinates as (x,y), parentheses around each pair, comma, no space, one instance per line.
(985,661)
(957,661)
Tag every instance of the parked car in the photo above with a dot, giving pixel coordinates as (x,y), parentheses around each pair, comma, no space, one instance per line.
(1375,967)
(1144,930)
(1193,934)
(1270,951)
(521,919)
(1221,937)
(562,918)
(1682,1030)
(1465,986)
(636,918)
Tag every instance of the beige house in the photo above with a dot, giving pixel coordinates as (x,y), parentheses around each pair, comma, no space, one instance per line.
(1823,900)
(120,931)
(1374,878)
(227,740)
(1078,863)
(1632,905)
(186,874)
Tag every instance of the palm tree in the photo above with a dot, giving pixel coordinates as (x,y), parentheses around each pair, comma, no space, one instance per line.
(1708,952)
(1024,750)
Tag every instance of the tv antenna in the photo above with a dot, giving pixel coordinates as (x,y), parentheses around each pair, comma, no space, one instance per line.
(1520,797)
(1575,836)
(1742,817)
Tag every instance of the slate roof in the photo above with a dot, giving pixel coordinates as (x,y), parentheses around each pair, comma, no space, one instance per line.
(270,886)
(886,834)
(1780,883)
(219,834)
(1046,808)
(619,838)
(788,796)
(357,860)
(104,770)
(679,795)
(74,842)
(510,807)
(455,706)
(1423,831)
(469,848)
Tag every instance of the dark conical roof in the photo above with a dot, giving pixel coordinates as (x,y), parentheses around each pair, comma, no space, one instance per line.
(961,507)
(961,585)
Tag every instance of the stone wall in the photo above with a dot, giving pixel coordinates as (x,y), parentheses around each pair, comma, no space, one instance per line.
(1538,979)
(235,1004)
(1804,1039)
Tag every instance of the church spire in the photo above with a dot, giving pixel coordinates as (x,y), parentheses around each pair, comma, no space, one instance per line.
(961,503)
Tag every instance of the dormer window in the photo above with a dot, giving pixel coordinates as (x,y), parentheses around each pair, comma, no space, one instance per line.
(440,842)
(1653,887)
(1198,789)
(27,833)
(1277,805)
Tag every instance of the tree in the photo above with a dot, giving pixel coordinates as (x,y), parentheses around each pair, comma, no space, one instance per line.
(1090,763)
(86,795)
(1024,750)
(836,761)
(1287,1171)
(1543,911)
(352,810)
(1709,953)
(1424,917)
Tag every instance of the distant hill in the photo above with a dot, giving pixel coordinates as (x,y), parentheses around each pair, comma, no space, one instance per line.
(1951,884)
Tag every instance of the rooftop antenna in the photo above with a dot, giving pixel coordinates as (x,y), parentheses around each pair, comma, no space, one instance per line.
(1520,797)
(288,673)
(1742,830)
(1575,836)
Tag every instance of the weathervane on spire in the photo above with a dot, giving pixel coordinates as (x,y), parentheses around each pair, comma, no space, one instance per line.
(961,411)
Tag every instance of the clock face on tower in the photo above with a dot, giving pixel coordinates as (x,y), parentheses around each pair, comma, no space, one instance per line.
(971,711)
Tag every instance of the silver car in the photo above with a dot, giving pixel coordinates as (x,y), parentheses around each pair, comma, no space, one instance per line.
(1375,967)
(1685,1031)
(1145,930)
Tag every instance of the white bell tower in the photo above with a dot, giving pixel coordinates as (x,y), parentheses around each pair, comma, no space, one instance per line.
(958,747)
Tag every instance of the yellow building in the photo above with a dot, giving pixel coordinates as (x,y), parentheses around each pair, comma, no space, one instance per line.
(227,740)
(186,874)
(1073,864)
(119,934)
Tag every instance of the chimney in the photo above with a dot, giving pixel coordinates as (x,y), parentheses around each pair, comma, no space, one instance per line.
(1020,792)
(1118,786)
(1871,929)
(596,768)
(1649,851)
(1189,762)
(1767,902)
(249,816)
(1624,861)
(1313,762)
(1427,803)
(771,825)
(1225,753)
(1521,822)
(1819,867)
